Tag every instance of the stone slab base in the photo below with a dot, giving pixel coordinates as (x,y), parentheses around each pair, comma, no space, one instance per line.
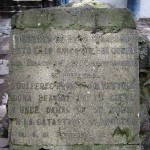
(78,147)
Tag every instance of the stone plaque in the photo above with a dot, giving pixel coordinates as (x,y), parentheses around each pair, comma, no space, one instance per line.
(74,79)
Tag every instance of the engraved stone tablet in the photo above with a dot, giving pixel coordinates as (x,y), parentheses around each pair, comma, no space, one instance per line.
(74,78)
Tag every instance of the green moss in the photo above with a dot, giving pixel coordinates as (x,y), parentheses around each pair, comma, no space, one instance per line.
(33,18)
(82,147)
(98,19)
(111,29)
(123,132)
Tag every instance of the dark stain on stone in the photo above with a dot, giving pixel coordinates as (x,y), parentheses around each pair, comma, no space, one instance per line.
(122,132)
(83,84)
(80,38)
(29,76)
(56,103)
(58,71)
(40,51)
(55,82)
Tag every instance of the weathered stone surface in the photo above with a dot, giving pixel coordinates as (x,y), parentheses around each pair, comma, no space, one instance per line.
(79,147)
(75,83)
(144,47)
(71,86)
(105,19)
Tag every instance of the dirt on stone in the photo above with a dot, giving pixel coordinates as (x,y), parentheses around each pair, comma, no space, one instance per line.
(143,26)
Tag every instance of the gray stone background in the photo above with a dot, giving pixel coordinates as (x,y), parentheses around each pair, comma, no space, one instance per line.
(5,28)
(143,26)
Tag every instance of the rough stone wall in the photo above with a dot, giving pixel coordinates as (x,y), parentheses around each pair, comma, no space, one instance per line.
(144,47)
(5,27)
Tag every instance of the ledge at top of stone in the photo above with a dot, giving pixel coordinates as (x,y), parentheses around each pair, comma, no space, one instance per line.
(75,18)
(89,3)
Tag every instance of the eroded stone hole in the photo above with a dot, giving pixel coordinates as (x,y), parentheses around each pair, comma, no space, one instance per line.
(44,149)
(149,112)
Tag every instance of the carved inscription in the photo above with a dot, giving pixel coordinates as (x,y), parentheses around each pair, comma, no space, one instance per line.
(72,86)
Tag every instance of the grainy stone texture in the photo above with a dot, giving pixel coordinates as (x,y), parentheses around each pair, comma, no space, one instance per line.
(144,45)
(74,80)
(93,19)
(79,147)
(144,26)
